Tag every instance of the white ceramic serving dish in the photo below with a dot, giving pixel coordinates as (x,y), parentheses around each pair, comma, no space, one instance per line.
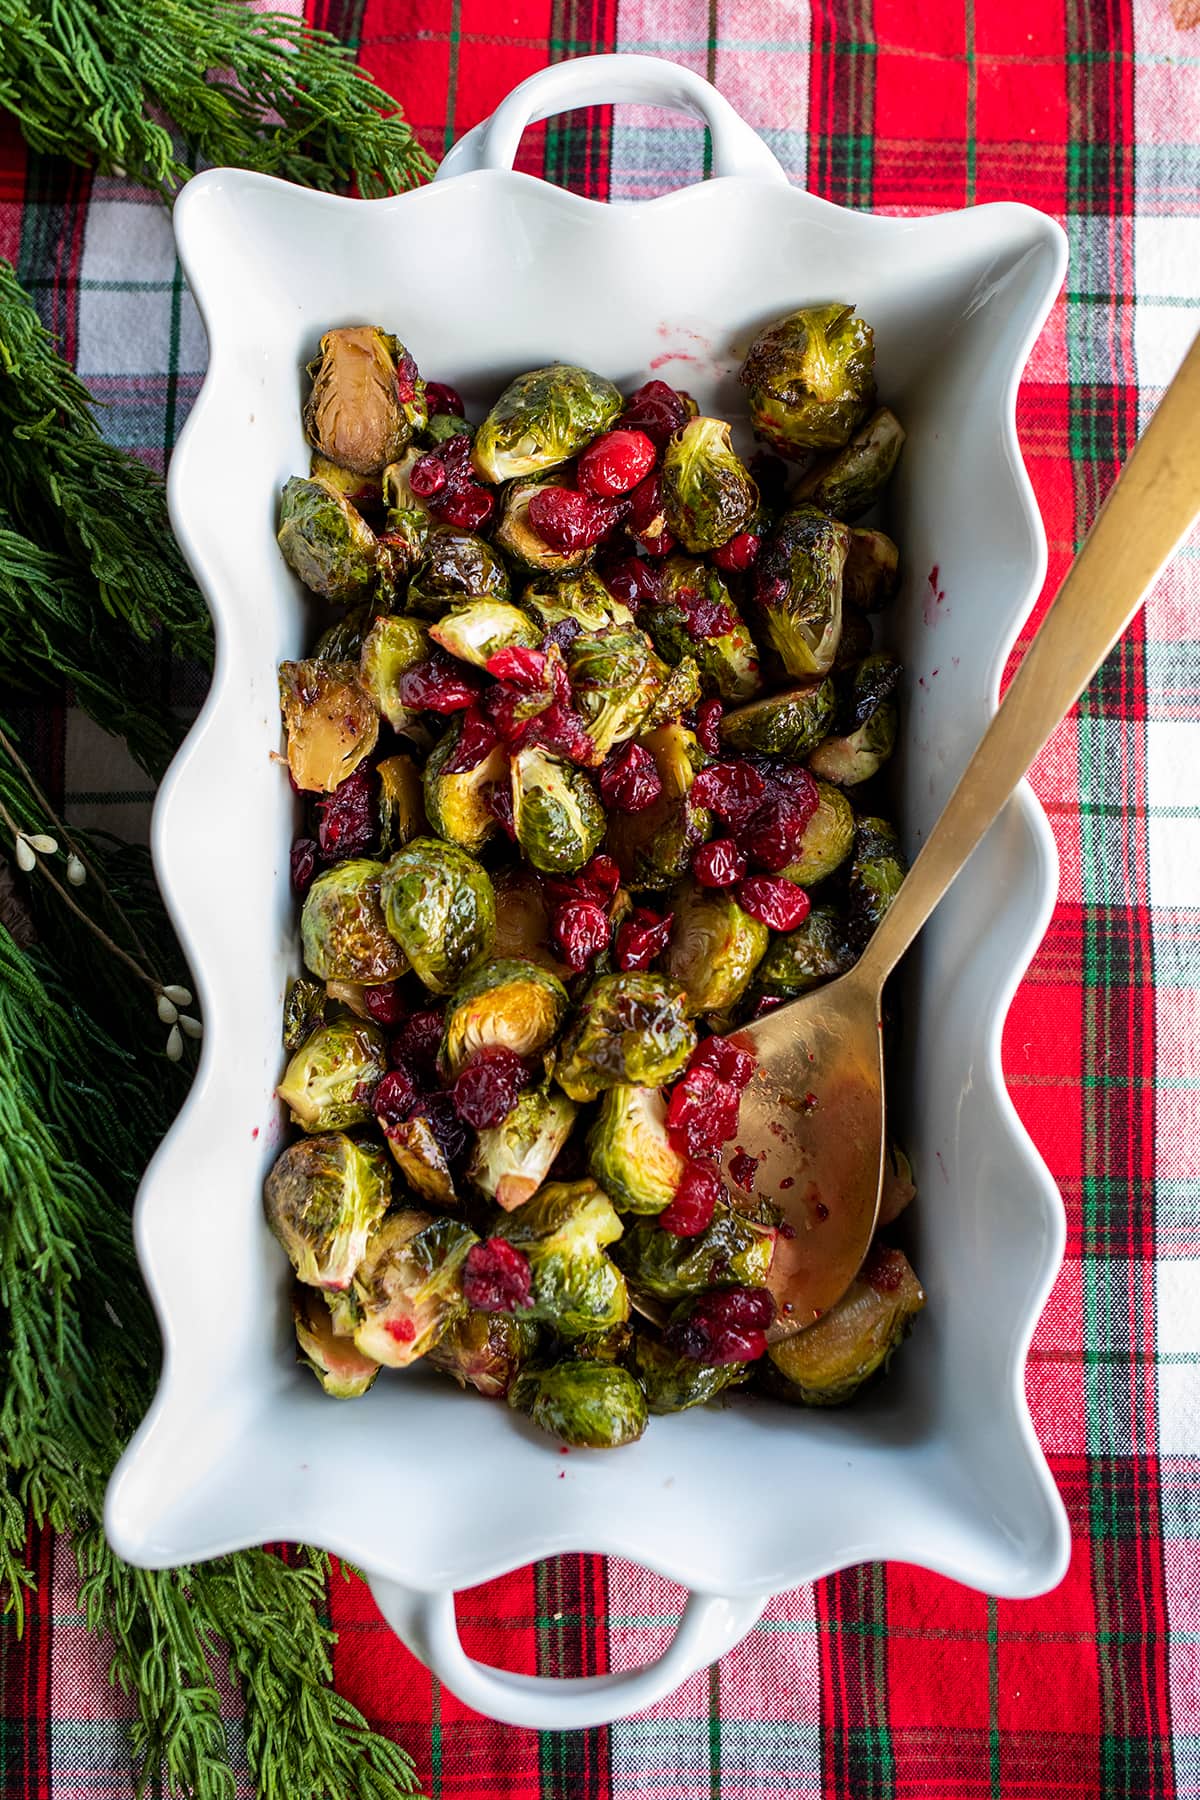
(483,274)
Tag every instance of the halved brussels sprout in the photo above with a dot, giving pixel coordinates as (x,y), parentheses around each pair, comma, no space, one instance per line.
(407,526)
(484,1350)
(344,1311)
(362,491)
(653,848)
(440,908)
(367,399)
(457,800)
(802,959)
(811,378)
(409,1284)
(615,680)
(557,814)
(342,641)
(715,947)
(580,598)
(899,1189)
(630,1030)
(867,720)
(512,1003)
(342,1369)
(692,594)
(329,1081)
(828,838)
(390,648)
(827,1364)
(678,694)
(523,919)
(511,1160)
(629,1152)
(342,928)
(852,482)
(517,538)
(872,571)
(349,994)
(798,589)
(876,872)
(590,1405)
(709,494)
(401,803)
(322,1198)
(543,418)
(421,1160)
(673,1383)
(330,720)
(303,1011)
(475,632)
(564,1229)
(733,1250)
(325,542)
(455,567)
(790,724)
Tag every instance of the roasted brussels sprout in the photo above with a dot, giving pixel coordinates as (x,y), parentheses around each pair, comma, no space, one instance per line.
(325,542)
(475,632)
(484,1350)
(340,1367)
(329,1081)
(557,814)
(563,1229)
(511,1003)
(851,482)
(342,641)
(790,724)
(827,1364)
(828,838)
(678,694)
(867,722)
(440,908)
(367,399)
(815,952)
(542,419)
(876,871)
(732,1251)
(303,1011)
(512,1160)
(798,589)
(580,598)
(344,1310)
(409,1285)
(515,535)
(615,680)
(612,1345)
(401,803)
(899,1189)
(330,720)
(342,927)
(872,570)
(523,919)
(349,994)
(629,1152)
(418,1152)
(590,1405)
(811,378)
(392,646)
(709,494)
(630,1030)
(457,801)
(364,492)
(673,1383)
(322,1198)
(455,567)
(696,617)
(653,848)
(715,947)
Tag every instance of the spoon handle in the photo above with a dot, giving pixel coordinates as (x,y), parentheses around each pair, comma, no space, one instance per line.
(1149,509)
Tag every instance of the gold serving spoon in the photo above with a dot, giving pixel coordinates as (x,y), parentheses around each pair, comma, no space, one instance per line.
(814,1112)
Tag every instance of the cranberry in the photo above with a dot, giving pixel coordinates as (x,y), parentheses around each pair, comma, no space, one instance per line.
(766,1003)
(477,738)
(562,633)
(393,1097)
(709,714)
(691,1211)
(770,476)
(468,508)
(416,1043)
(561,731)
(615,463)
(731,1062)
(771,836)
(599,878)
(733,790)
(428,475)
(499,802)
(496,1277)
(702,1113)
(440,397)
(438,1110)
(656,410)
(487,1086)
(744,1169)
(581,931)
(773,901)
(567,520)
(385,1005)
(718,864)
(706,617)
(347,820)
(728,1325)
(304,864)
(439,684)
(629,779)
(407,376)
(646,507)
(662,545)
(631,579)
(741,552)
(525,668)
(641,938)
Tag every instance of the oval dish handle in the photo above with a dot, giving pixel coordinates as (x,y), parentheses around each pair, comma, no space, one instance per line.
(426,1624)
(737,148)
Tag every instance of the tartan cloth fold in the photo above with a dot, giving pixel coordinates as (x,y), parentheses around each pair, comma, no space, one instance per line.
(879,1681)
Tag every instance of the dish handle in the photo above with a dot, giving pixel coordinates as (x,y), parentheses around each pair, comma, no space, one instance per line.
(426,1624)
(737,148)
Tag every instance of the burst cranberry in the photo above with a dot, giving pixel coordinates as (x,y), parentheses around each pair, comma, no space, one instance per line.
(393,1097)
(416,1043)
(580,931)
(615,463)
(706,617)
(407,375)
(633,580)
(733,790)
(662,545)
(440,397)
(523,667)
(774,902)
(728,1325)
(709,714)
(771,477)
(562,633)
(741,552)
(438,1110)
(646,507)
(499,802)
(468,508)
(347,820)
(629,779)
(428,475)
(439,684)
(496,1277)
(655,409)
(641,938)
(304,864)
(599,878)
(744,1169)
(560,730)
(771,836)
(570,521)
(702,1113)
(488,1085)
(385,1005)
(766,1003)
(731,1062)
(718,864)
(691,1211)
(477,738)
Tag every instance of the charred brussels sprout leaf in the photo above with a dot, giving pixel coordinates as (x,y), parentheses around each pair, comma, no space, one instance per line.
(653,848)
(581,599)
(614,680)
(709,494)
(590,1405)
(329,1081)
(557,814)
(325,542)
(680,691)
(512,1003)
(564,1230)
(732,1251)
(421,1160)
(715,947)
(543,418)
(790,724)
(629,1152)
(366,400)
(798,589)
(810,378)
(342,1369)
(342,928)
(342,641)
(867,725)
(512,1160)
(441,427)
(409,1285)
(440,908)
(344,1310)
(877,869)
(696,617)
(631,1030)
(484,1351)
(515,535)
(322,1198)
(455,567)
(828,838)
(303,1011)
(392,646)
(475,632)
(802,959)
(330,720)
(673,1383)
(828,1363)
(401,802)
(852,482)
(457,800)
(872,570)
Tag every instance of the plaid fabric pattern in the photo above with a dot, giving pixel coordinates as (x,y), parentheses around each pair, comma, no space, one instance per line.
(880,1682)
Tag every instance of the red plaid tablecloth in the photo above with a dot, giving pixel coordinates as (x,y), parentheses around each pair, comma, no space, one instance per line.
(879,1681)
